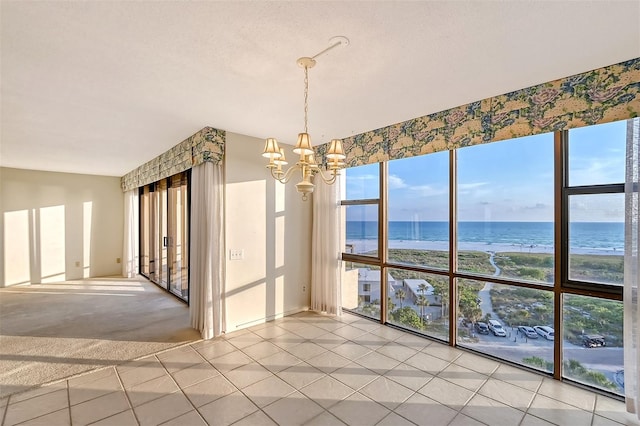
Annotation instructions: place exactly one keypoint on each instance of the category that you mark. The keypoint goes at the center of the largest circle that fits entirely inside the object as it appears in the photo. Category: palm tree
(422, 288)
(422, 302)
(400, 295)
(442, 291)
(390, 305)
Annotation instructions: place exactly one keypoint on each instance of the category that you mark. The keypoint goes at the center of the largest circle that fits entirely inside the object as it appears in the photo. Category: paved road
(607, 360)
(515, 347)
(485, 294)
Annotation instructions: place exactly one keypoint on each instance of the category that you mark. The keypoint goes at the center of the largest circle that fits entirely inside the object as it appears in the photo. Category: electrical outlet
(304, 288)
(237, 254)
(118, 260)
(77, 264)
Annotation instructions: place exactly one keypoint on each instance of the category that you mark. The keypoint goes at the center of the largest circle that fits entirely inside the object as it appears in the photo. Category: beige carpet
(52, 331)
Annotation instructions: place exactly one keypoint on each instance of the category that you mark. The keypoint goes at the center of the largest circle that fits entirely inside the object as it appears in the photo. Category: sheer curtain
(326, 265)
(130, 240)
(207, 268)
(631, 269)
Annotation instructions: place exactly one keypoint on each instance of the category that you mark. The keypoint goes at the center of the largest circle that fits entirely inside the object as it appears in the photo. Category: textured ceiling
(102, 87)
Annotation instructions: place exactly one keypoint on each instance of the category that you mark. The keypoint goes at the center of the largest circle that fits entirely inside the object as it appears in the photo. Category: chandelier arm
(286, 176)
(328, 180)
(275, 176)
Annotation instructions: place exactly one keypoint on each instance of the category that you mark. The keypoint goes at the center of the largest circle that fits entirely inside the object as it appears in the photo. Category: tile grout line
(135, 416)
(535, 393)
(40, 416)
(489, 376)
(69, 403)
(353, 391)
(182, 391)
(87, 373)
(449, 363)
(102, 368)
(6, 409)
(240, 390)
(276, 375)
(295, 388)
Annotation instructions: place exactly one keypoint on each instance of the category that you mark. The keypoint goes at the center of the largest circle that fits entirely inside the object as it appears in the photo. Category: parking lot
(515, 347)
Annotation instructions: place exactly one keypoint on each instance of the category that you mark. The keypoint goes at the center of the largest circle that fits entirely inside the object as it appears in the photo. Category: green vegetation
(574, 370)
(432, 258)
(470, 261)
(469, 305)
(370, 309)
(408, 317)
(522, 306)
(514, 305)
(539, 363)
(539, 267)
(588, 315)
(526, 266)
(476, 262)
(401, 295)
(582, 315)
(577, 371)
(604, 269)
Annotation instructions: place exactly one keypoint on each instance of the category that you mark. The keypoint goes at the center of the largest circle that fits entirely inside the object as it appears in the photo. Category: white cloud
(429, 191)
(475, 189)
(396, 182)
(596, 170)
(467, 186)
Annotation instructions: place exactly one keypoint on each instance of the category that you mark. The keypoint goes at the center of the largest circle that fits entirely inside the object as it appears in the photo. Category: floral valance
(206, 145)
(607, 94)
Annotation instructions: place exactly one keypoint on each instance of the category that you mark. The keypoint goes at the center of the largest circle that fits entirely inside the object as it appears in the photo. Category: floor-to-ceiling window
(361, 291)
(164, 233)
(593, 255)
(513, 249)
(505, 234)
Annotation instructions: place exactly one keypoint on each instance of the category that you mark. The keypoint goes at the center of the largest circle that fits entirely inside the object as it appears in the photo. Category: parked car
(481, 328)
(527, 331)
(496, 328)
(545, 331)
(593, 341)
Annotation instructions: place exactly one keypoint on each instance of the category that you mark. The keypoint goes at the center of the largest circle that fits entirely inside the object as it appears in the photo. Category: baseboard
(266, 319)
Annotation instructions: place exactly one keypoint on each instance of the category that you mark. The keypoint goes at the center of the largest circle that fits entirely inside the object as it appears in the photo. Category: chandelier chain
(306, 96)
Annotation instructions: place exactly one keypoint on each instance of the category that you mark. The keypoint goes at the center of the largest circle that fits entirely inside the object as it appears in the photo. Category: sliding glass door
(178, 236)
(164, 233)
(146, 242)
(160, 234)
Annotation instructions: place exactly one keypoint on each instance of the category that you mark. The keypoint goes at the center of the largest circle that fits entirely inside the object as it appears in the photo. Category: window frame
(561, 284)
(568, 285)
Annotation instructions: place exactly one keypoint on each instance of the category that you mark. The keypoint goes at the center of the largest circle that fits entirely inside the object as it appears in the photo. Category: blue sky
(502, 181)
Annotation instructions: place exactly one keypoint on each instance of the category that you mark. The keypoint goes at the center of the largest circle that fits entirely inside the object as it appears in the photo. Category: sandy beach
(362, 246)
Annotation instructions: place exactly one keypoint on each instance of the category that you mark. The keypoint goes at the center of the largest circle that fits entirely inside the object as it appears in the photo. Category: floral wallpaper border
(603, 95)
(206, 145)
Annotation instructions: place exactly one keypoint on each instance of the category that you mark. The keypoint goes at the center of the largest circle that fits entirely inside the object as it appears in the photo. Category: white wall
(58, 226)
(271, 224)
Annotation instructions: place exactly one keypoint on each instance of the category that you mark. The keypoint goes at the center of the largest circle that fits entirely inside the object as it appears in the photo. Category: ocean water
(582, 235)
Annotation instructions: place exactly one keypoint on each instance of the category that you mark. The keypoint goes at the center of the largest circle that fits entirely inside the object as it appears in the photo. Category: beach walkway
(485, 294)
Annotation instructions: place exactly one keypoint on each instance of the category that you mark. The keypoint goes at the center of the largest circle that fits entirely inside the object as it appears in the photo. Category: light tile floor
(310, 369)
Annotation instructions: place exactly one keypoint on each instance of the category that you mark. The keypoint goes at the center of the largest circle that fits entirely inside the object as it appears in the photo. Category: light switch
(237, 254)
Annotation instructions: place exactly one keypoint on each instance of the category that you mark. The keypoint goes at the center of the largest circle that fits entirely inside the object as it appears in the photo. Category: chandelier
(306, 163)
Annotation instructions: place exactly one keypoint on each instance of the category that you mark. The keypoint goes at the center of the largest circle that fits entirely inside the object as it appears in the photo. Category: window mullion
(382, 240)
(560, 243)
(453, 248)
